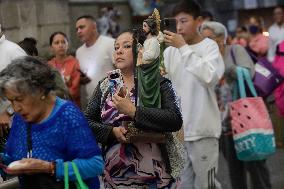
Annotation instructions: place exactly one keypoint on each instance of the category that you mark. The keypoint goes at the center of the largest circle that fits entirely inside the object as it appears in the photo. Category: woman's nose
(119, 50)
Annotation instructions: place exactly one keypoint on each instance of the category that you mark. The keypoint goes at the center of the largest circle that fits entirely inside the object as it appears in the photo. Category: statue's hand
(139, 57)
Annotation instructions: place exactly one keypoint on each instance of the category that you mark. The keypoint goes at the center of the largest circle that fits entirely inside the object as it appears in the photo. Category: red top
(69, 71)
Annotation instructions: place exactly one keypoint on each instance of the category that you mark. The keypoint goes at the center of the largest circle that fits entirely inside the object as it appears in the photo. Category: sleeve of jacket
(165, 119)
(93, 115)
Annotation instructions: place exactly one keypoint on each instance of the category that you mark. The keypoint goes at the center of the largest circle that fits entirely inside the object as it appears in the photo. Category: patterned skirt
(136, 166)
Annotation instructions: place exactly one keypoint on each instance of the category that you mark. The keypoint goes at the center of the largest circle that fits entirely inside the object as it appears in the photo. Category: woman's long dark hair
(138, 38)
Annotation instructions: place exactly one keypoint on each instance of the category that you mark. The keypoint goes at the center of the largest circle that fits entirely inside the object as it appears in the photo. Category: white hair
(217, 28)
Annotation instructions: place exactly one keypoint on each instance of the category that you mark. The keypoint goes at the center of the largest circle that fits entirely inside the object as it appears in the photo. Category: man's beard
(146, 33)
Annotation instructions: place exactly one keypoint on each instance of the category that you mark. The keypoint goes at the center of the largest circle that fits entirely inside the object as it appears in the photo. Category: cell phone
(169, 24)
(115, 81)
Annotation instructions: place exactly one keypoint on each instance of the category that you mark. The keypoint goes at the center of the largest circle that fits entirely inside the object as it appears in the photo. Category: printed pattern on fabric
(133, 165)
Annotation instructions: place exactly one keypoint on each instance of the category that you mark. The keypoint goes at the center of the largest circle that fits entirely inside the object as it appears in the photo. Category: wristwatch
(10, 111)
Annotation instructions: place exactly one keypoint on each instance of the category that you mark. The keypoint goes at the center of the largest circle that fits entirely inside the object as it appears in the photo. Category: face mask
(253, 29)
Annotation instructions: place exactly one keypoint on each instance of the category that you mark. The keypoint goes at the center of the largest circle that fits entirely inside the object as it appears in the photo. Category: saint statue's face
(146, 28)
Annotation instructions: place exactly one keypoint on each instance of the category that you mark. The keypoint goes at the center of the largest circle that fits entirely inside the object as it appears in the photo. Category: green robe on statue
(149, 85)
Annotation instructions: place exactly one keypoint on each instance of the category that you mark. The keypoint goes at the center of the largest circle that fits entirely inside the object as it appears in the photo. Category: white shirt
(96, 61)
(8, 52)
(276, 35)
(195, 70)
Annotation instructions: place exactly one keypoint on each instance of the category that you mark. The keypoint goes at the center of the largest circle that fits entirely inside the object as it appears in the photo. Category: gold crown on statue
(156, 16)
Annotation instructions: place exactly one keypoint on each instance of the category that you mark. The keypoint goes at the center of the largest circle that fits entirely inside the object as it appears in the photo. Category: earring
(42, 97)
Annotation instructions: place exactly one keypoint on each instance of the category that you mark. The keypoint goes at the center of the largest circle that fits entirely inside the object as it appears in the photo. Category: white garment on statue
(276, 35)
(96, 61)
(194, 71)
(8, 52)
(151, 49)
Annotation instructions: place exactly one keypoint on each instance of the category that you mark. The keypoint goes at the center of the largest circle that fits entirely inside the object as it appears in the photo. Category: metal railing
(10, 184)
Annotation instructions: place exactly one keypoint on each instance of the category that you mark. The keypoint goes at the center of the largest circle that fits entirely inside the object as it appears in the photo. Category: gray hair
(217, 28)
(27, 75)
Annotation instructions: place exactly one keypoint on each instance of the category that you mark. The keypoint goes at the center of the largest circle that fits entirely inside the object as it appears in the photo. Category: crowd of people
(62, 111)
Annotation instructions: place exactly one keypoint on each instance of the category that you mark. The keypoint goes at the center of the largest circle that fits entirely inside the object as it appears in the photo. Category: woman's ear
(42, 94)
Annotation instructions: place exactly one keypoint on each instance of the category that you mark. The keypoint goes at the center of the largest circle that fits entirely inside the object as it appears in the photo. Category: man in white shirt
(276, 32)
(194, 65)
(95, 55)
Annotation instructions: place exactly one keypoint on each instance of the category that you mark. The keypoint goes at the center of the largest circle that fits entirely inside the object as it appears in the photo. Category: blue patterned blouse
(63, 136)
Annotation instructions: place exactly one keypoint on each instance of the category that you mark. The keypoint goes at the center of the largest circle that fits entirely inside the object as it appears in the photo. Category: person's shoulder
(68, 108)
(208, 41)
(9, 45)
(273, 26)
(51, 61)
(106, 39)
(170, 49)
(81, 49)
(71, 58)
(238, 47)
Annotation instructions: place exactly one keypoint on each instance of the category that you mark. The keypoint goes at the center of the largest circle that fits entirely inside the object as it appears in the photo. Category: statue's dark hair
(152, 26)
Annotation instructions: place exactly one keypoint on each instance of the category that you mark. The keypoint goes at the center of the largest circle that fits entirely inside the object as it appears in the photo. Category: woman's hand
(124, 105)
(119, 133)
(173, 39)
(30, 166)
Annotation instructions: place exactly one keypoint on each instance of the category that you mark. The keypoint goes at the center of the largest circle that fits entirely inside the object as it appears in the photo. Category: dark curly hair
(28, 75)
(29, 45)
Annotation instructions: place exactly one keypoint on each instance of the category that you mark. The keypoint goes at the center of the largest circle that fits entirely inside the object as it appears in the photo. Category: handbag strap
(249, 82)
(240, 84)
(79, 181)
(66, 177)
(243, 76)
